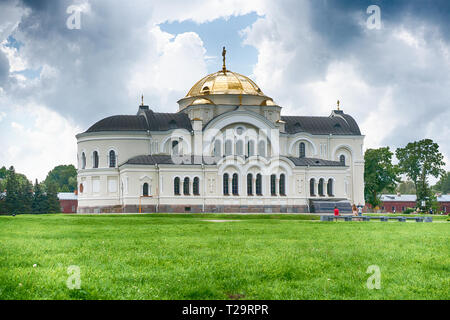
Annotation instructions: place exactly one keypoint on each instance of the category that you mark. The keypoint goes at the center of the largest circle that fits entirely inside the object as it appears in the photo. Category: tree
(64, 176)
(3, 172)
(406, 187)
(419, 160)
(40, 201)
(25, 197)
(12, 201)
(443, 185)
(379, 174)
(52, 198)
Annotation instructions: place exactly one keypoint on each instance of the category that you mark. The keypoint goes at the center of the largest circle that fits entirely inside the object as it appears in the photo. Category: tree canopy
(379, 174)
(443, 185)
(419, 160)
(64, 177)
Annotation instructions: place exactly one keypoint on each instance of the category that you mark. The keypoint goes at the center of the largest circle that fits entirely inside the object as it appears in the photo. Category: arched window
(249, 184)
(235, 185)
(175, 147)
(228, 148)
(302, 150)
(217, 148)
(225, 184)
(251, 148)
(342, 159)
(330, 187)
(262, 148)
(258, 185)
(112, 159)
(186, 186)
(176, 186)
(282, 184)
(240, 148)
(273, 187)
(83, 161)
(196, 186)
(145, 190)
(312, 186)
(320, 187)
(95, 160)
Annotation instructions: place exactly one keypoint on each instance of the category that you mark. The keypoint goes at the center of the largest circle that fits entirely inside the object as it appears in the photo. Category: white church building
(227, 149)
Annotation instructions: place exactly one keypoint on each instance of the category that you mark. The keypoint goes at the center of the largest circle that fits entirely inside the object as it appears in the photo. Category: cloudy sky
(55, 81)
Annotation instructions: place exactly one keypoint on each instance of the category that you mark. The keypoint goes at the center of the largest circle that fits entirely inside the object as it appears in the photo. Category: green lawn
(259, 257)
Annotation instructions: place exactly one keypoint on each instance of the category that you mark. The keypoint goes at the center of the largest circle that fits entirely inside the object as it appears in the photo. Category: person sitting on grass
(336, 212)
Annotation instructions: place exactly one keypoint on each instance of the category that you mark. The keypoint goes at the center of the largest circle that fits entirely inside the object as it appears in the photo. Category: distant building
(399, 203)
(68, 202)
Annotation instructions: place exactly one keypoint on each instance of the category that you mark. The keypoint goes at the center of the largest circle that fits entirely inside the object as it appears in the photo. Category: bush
(409, 210)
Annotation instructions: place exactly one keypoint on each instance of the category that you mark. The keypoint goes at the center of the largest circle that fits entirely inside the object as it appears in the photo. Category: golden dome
(224, 82)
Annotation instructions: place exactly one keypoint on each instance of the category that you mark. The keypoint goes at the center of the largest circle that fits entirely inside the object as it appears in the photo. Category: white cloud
(40, 140)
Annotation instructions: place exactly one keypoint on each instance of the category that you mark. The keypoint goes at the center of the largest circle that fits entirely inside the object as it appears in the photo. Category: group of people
(356, 210)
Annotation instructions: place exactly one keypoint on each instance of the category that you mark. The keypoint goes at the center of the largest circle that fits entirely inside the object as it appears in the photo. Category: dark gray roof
(120, 123)
(147, 120)
(338, 123)
(314, 162)
(166, 121)
(167, 159)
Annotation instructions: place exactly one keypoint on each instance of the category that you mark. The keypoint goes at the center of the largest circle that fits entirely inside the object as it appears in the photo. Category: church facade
(227, 149)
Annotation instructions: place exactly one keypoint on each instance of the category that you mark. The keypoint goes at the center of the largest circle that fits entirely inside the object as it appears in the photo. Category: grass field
(184, 257)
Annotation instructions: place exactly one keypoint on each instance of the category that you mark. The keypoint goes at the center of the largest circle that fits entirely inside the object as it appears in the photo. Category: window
(251, 148)
(175, 147)
(258, 185)
(145, 190)
(225, 184)
(81, 188)
(95, 160)
(330, 187)
(282, 185)
(302, 150)
(312, 183)
(83, 161)
(217, 148)
(321, 188)
(240, 148)
(273, 187)
(176, 186)
(262, 148)
(196, 186)
(186, 186)
(342, 159)
(250, 184)
(112, 159)
(228, 148)
(235, 185)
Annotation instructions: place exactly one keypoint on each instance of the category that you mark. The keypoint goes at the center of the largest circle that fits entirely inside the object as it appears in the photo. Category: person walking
(336, 212)
(360, 207)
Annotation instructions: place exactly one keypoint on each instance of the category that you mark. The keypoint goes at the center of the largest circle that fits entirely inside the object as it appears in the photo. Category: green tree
(3, 172)
(64, 176)
(52, 198)
(25, 197)
(40, 202)
(443, 185)
(419, 160)
(12, 201)
(379, 174)
(406, 187)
